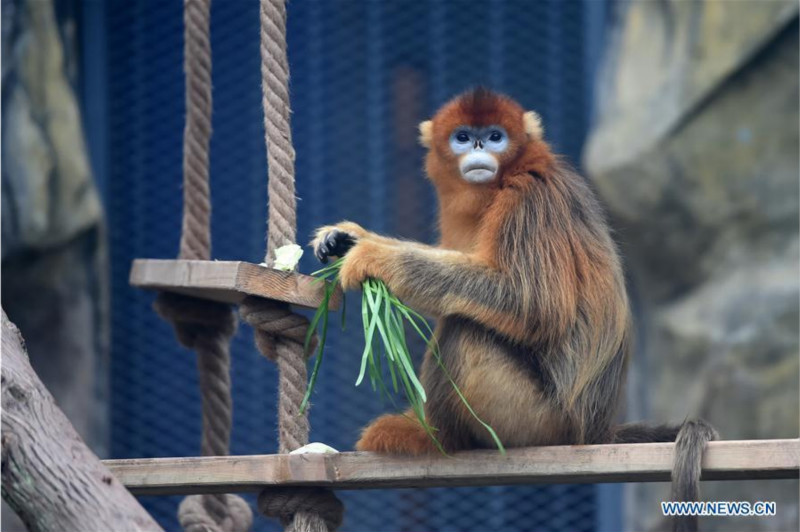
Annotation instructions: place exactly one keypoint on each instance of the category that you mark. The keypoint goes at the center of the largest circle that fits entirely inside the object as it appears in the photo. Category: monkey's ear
(426, 133)
(533, 125)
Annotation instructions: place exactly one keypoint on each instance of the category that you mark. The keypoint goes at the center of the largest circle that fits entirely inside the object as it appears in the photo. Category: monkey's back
(558, 380)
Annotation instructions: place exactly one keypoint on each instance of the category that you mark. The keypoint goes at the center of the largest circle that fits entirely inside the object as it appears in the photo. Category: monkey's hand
(336, 240)
(366, 254)
(369, 257)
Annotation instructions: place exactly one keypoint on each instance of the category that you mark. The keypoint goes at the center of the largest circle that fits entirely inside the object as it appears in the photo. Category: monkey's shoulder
(527, 175)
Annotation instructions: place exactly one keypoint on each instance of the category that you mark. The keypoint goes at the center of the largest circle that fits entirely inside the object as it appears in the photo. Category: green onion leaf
(383, 312)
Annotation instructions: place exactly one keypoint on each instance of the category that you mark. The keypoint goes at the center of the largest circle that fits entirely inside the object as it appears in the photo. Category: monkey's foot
(396, 434)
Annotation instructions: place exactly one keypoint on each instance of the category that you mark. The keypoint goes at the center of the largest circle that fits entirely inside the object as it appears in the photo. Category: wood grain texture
(647, 462)
(50, 477)
(229, 281)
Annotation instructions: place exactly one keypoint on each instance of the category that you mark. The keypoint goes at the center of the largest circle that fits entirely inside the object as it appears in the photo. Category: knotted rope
(203, 326)
(279, 332)
(206, 327)
(305, 506)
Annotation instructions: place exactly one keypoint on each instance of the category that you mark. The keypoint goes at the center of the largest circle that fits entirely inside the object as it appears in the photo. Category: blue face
(476, 148)
(493, 139)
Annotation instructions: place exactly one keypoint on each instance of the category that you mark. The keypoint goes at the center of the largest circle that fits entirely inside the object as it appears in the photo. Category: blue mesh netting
(363, 75)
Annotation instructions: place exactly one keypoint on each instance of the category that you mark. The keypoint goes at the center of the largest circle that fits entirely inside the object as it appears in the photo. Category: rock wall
(54, 267)
(695, 154)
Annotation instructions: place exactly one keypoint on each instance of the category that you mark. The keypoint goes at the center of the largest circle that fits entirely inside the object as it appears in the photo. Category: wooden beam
(229, 281)
(647, 462)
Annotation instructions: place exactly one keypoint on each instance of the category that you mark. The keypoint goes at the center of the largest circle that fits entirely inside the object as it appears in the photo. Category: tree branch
(50, 477)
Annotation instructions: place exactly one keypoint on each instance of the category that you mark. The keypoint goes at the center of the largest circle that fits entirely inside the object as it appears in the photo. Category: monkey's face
(477, 150)
(475, 137)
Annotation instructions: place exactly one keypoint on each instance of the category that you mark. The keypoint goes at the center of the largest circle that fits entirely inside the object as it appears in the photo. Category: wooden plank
(228, 281)
(646, 462)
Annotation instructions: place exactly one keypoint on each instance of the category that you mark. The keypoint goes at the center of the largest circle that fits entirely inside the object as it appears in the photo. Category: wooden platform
(647, 462)
(229, 281)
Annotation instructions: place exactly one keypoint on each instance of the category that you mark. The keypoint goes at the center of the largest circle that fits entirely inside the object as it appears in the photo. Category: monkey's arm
(439, 282)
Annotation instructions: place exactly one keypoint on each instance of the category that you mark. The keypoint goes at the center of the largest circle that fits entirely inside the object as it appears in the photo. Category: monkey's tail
(642, 433)
(690, 439)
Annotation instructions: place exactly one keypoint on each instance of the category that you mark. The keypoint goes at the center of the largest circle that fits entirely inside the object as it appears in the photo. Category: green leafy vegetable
(384, 318)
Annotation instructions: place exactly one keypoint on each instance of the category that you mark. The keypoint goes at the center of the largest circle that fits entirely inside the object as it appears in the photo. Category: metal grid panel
(363, 74)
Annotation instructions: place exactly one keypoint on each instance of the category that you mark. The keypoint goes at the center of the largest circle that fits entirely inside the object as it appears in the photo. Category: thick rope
(203, 326)
(302, 507)
(206, 327)
(196, 228)
(280, 335)
(194, 516)
(280, 332)
(282, 220)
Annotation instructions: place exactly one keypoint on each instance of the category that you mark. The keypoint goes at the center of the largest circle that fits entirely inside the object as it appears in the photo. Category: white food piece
(287, 257)
(315, 448)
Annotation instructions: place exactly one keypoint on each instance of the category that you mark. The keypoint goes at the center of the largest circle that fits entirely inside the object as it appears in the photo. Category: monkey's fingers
(333, 244)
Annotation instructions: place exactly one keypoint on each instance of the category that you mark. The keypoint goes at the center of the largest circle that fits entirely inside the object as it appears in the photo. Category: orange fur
(464, 207)
(526, 286)
(396, 434)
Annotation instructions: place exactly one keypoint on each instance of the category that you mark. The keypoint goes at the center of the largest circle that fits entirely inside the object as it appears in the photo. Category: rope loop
(275, 320)
(206, 327)
(215, 513)
(280, 334)
(195, 319)
(290, 504)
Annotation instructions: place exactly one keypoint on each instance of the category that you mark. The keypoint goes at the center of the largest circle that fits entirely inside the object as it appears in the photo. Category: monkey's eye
(496, 136)
(462, 136)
